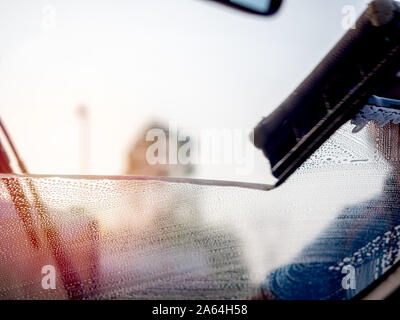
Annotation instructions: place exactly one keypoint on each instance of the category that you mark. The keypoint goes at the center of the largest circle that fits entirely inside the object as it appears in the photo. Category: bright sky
(190, 61)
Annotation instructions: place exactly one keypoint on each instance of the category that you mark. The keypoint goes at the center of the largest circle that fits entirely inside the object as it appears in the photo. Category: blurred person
(138, 164)
(148, 209)
(172, 251)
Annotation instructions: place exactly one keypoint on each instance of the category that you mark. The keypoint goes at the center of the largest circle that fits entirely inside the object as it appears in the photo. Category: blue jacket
(365, 237)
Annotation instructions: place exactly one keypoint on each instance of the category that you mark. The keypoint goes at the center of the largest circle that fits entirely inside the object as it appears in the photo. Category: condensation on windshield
(125, 237)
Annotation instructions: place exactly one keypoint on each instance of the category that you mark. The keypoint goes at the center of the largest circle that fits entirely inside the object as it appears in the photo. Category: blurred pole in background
(84, 139)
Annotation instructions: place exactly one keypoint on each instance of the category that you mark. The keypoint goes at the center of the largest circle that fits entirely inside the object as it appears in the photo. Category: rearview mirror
(264, 7)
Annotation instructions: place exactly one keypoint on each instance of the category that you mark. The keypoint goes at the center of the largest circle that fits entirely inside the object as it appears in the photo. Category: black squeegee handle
(363, 62)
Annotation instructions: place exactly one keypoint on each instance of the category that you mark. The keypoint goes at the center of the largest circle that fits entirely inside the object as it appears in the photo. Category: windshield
(80, 82)
(146, 238)
(88, 89)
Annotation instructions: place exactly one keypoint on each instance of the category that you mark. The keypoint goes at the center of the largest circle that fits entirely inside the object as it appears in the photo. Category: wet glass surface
(126, 237)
